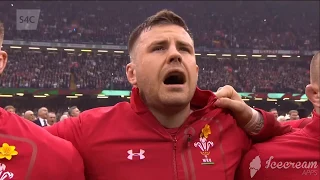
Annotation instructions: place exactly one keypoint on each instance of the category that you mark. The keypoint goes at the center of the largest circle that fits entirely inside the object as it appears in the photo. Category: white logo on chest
(140, 154)
(205, 146)
(5, 174)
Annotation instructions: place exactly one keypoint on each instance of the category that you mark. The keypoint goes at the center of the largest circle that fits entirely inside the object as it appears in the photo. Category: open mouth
(174, 78)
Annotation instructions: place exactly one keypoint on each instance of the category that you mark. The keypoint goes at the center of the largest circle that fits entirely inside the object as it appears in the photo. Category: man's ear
(197, 69)
(131, 73)
(313, 95)
(3, 60)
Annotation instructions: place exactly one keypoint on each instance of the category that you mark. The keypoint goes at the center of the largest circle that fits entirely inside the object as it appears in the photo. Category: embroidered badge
(5, 174)
(205, 145)
(7, 151)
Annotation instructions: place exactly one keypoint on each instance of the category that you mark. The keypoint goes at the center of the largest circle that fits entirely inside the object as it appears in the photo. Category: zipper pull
(189, 140)
(174, 143)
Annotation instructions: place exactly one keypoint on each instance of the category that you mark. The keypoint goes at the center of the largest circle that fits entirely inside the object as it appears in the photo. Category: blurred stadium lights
(272, 99)
(20, 94)
(301, 100)
(102, 51)
(6, 95)
(52, 49)
(34, 48)
(121, 52)
(256, 55)
(39, 96)
(286, 56)
(68, 49)
(86, 50)
(102, 96)
(15, 47)
(78, 94)
(71, 97)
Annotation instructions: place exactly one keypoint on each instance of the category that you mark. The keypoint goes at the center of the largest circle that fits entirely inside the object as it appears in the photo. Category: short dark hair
(302, 112)
(293, 111)
(162, 17)
(273, 109)
(71, 109)
(1, 33)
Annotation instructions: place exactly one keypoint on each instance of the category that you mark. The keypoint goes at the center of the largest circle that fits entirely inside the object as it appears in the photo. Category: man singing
(170, 129)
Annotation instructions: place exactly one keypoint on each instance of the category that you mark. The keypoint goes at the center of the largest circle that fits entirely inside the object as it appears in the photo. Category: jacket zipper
(221, 148)
(189, 154)
(175, 158)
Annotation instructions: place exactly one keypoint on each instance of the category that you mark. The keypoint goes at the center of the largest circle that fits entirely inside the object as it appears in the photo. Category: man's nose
(174, 56)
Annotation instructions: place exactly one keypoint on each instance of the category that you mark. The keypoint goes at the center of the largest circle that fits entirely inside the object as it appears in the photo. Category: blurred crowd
(43, 117)
(246, 25)
(32, 69)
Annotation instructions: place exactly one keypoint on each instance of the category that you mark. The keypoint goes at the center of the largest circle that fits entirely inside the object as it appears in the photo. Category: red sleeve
(250, 167)
(301, 123)
(76, 170)
(69, 129)
(271, 127)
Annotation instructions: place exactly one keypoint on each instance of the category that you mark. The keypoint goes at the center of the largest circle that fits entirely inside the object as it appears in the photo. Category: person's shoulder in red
(293, 156)
(301, 123)
(107, 136)
(28, 152)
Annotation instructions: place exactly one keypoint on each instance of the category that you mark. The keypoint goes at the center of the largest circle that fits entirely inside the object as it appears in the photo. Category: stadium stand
(246, 25)
(34, 69)
(216, 25)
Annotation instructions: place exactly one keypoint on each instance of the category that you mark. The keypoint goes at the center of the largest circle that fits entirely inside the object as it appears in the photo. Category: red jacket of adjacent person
(293, 156)
(126, 142)
(28, 152)
(301, 123)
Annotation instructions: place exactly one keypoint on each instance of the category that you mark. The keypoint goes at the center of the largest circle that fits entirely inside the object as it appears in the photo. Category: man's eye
(159, 48)
(184, 49)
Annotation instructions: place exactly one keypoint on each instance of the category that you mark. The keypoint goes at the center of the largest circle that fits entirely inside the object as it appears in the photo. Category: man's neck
(172, 120)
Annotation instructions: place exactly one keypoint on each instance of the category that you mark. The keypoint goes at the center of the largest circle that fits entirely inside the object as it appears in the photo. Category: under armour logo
(140, 154)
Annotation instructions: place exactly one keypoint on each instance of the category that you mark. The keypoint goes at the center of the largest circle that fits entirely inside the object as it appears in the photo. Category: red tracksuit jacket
(294, 156)
(301, 123)
(28, 152)
(126, 142)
